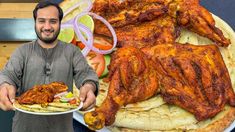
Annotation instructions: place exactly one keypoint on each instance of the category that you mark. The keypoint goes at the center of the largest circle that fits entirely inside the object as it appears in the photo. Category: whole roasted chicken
(149, 61)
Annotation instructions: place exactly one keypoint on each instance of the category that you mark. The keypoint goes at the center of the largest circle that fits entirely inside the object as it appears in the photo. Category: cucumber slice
(107, 59)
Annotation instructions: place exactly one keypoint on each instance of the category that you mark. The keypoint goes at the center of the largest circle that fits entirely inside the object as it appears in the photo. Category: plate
(48, 113)
(230, 128)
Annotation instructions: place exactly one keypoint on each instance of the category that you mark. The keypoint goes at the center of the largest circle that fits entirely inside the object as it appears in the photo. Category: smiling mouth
(47, 32)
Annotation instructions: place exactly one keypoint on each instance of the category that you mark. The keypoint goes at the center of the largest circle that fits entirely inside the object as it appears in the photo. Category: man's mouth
(47, 33)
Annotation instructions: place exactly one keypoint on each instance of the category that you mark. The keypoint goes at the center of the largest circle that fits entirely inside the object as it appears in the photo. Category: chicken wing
(192, 15)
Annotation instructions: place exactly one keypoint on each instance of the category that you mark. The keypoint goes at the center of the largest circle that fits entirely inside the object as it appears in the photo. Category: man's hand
(7, 96)
(87, 96)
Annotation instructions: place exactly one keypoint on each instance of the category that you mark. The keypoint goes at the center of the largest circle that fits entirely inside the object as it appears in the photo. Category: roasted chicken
(133, 77)
(42, 94)
(192, 77)
(149, 61)
(135, 15)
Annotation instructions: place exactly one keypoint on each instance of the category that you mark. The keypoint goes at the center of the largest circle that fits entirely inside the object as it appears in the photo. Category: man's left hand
(87, 96)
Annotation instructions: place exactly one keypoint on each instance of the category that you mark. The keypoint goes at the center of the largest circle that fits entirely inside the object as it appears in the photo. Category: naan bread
(155, 115)
(54, 106)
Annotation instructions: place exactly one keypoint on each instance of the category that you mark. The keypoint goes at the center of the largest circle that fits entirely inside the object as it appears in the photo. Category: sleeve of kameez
(12, 71)
(83, 72)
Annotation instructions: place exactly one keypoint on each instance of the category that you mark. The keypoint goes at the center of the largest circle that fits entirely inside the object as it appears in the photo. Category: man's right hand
(7, 96)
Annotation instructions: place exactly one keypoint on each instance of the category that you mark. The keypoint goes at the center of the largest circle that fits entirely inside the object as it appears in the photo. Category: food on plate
(97, 62)
(51, 97)
(150, 22)
(155, 114)
(192, 77)
(66, 35)
(107, 59)
(149, 61)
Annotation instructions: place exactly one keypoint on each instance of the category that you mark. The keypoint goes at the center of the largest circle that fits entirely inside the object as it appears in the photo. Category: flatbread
(51, 107)
(155, 115)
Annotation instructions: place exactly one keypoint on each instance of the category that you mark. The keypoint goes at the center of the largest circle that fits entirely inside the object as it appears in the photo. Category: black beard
(47, 41)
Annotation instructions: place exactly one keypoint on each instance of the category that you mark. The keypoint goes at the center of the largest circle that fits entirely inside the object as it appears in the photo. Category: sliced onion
(111, 30)
(63, 99)
(84, 33)
(85, 30)
(60, 94)
(85, 51)
(79, 26)
(66, 25)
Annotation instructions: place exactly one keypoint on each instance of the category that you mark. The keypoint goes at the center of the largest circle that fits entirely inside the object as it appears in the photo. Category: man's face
(47, 25)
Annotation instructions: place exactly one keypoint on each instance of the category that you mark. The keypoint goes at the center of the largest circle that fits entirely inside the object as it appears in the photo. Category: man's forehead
(43, 18)
(49, 12)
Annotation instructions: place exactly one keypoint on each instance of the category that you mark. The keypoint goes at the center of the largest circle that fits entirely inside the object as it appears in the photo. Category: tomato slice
(96, 61)
(74, 41)
(100, 43)
(80, 45)
(73, 101)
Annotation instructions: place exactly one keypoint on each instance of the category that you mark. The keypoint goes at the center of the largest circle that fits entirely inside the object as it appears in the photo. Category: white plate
(49, 113)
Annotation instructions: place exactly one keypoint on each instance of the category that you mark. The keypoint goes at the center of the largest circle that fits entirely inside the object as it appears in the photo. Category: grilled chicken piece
(194, 78)
(42, 94)
(133, 78)
(145, 34)
(130, 15)
(193, 16)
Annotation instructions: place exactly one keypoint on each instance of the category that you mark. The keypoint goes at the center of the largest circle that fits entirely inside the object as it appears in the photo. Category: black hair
(43, 4)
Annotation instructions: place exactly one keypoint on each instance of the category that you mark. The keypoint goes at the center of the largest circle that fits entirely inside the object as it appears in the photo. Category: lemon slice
(66, 35)
(88, 22)
(69, 95)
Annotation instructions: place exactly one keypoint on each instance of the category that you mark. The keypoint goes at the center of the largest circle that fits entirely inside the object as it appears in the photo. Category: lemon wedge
(66, 35)
(69, 95)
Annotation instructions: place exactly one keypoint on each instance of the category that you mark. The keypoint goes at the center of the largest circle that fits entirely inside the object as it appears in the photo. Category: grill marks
(193, 77)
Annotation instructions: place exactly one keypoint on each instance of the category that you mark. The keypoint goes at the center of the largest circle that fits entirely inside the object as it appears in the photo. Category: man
(41, 62)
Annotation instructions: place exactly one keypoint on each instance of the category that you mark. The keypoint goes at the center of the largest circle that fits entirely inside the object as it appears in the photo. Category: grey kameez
(30, 65)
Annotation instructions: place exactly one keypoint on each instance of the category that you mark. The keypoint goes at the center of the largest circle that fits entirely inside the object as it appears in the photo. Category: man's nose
(47, 25)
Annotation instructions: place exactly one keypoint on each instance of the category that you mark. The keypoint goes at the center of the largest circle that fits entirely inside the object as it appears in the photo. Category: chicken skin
(149, 61)
(42, 94)
(133, 78)
(131, 14)
(194, 78)
(199, 20)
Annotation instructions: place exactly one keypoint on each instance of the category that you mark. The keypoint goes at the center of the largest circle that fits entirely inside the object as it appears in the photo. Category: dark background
(225, 9)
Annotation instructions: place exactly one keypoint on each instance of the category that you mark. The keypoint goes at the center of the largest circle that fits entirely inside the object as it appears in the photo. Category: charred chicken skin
(194, 78)
(133, 78)
(42, 94)
(133, 15)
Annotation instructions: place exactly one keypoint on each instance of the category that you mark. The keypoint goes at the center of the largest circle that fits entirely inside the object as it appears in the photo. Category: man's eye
(41, 21)
(53, 22)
